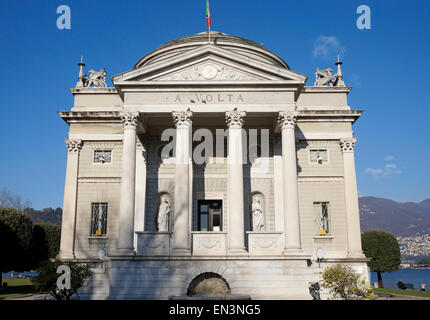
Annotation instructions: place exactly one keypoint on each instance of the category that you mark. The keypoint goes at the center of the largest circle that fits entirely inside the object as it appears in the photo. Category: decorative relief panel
(209, 71)
(153, 244)
(265, 243)
(209, 243)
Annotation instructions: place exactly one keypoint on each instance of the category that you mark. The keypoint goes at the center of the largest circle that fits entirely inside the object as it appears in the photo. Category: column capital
(288, 119)
(182, 119)
(235, 119)
(73, 145)
(348, 144)
(129, 120)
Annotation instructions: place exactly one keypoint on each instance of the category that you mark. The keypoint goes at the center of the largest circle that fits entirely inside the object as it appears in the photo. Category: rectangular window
(99, 213)
(319, 156)
(102, 156)
(322, 218)
(210, 215)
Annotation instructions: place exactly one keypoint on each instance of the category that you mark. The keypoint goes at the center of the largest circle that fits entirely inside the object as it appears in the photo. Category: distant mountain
(47, 215)
(400, 219)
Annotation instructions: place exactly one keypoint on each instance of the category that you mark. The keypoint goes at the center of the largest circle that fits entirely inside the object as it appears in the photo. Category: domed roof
(236, 44)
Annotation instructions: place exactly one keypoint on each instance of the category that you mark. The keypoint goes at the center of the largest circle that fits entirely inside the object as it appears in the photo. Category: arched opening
(208, 284)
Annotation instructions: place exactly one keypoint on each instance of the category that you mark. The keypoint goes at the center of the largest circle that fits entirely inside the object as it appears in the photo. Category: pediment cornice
(209, 64)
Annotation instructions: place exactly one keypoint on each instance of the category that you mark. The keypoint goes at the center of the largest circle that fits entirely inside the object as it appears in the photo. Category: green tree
(52, 238)
(16, 234)
(383, 250)
(46, 281)
(344, 284)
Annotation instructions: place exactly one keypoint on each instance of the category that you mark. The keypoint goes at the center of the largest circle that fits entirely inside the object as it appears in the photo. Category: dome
(245, 47)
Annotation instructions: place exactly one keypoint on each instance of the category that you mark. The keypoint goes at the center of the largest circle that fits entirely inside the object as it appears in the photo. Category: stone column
(292, 243)
(126, 208)
(235, 161)
(278, 180)
(181, 218)
(140, 189)
(67, 247)
(351, 198)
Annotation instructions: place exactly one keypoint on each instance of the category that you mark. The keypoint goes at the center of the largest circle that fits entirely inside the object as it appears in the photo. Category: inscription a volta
(209, 98)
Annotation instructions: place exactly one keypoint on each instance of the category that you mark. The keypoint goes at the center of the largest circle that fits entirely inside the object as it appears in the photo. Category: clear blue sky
(388, 66)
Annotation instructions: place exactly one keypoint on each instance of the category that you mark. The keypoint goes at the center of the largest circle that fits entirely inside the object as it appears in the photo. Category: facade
(248, 218)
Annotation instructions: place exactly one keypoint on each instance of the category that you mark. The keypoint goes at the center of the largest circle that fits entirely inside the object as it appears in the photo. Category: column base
(66, 256)
(356, 255)
(295, 252)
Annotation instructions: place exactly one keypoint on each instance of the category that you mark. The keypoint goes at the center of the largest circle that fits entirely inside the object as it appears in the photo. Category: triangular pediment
(208, 63)
(211, 69)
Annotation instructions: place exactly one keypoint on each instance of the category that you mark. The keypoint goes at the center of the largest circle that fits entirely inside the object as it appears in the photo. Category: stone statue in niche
(257, 215)
(164, 215)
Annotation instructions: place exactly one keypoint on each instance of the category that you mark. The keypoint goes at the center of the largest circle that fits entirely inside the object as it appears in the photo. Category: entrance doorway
(210, 215)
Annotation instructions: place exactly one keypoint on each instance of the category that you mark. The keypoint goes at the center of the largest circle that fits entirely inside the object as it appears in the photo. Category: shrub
(46, 281)
(344, 284)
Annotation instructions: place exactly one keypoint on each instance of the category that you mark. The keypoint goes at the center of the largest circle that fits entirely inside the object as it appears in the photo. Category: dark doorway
(209, 215)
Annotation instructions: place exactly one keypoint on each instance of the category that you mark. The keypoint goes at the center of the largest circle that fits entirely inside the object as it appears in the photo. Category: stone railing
(153, 243)
(265, 243)
(209, 243)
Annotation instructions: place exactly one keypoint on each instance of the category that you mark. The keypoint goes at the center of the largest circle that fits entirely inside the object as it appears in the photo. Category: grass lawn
(425, 294)
(17, 287)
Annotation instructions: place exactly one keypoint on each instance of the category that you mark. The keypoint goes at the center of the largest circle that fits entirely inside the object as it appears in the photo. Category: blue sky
(388, 66)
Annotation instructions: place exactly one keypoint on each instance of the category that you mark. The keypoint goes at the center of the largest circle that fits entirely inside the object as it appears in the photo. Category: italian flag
(208, 15)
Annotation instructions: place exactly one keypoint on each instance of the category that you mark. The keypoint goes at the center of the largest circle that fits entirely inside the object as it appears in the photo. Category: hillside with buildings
(409, 222)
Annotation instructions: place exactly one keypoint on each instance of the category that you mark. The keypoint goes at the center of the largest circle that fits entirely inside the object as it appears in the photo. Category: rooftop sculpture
(325, 77)
(96, 79)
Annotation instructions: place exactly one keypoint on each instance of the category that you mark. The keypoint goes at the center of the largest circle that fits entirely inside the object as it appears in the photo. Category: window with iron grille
(318, 156)
(322, 217)
(99, 213)
(102, 156)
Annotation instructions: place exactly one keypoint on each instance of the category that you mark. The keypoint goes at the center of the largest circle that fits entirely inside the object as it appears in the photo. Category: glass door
(210, 215)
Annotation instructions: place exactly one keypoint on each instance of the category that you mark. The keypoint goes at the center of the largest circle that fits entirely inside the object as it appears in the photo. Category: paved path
(32, 297)
(390, 296)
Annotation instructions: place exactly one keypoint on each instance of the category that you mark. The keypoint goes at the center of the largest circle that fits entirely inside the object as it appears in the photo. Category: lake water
(414, 276)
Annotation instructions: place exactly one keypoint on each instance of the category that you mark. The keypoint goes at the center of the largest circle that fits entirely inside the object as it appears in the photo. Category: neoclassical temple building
(210, 168)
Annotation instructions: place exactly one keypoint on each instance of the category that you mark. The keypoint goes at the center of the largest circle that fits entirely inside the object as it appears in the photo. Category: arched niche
(255, 199)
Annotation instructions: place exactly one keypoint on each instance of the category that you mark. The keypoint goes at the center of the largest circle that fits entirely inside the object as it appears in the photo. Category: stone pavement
(390, 296)
(32, 297)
